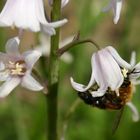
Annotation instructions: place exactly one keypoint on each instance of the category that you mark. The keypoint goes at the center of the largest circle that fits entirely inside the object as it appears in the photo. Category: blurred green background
(23, 113)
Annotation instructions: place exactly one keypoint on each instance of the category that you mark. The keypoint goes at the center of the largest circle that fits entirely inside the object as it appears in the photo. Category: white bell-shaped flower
(106, 72)
(16, 68)
(27, 14)
(103, 67)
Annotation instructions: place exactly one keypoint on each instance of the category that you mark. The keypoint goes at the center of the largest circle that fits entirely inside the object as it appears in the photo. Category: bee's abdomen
(110, 100)
(106, 101)
(125, 92)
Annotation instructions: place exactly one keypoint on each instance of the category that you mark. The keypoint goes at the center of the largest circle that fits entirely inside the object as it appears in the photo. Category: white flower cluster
(16, 68)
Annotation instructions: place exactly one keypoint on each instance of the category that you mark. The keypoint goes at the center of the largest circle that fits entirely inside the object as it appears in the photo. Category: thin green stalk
(75, 43)
(53, 76)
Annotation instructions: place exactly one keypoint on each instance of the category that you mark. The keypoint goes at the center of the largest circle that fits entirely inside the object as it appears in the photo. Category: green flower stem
(75, 43)
(53, 75)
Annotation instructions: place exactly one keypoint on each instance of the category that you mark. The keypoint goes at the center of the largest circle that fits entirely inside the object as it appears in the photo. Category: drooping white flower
(44, 47)
(27, 14)
(123, 81)
(116, 6)
(63, 2)
(15, 68)
(106, 72)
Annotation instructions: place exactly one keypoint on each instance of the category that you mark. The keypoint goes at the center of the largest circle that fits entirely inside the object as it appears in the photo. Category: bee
(110, 100)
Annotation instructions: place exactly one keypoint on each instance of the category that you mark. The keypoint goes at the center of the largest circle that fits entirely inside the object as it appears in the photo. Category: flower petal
(77, 86)
(107, 72)
(25, 18)
(7, 14)
(30, 83)
(117, 10)
(133, 59)
(135, 114)
(118, 59)
(58, 23)
(98, 72)
(116, 6)
(137, 67)
(134, 76)
(30, 57)
(8, 86)
(49, 27)
(136, 72)
(100, 92)
(83, 88)
(12, 46)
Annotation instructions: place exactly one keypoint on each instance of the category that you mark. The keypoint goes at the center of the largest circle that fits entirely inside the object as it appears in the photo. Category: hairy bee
(110, 100)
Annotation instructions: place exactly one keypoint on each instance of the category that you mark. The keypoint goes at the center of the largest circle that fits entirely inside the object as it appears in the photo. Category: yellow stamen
(17, 68)
(124, 72)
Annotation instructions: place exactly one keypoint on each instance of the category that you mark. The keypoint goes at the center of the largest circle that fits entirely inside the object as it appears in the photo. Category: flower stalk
(53, 75)
(74, 43)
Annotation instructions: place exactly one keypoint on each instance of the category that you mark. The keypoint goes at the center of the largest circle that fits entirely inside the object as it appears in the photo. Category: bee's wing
(117, 120)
